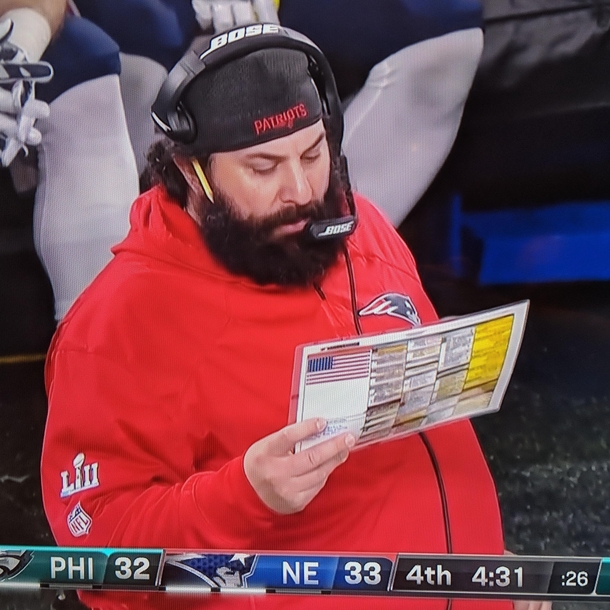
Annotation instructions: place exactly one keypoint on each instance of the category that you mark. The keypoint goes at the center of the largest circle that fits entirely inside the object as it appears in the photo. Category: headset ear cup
(184, 128)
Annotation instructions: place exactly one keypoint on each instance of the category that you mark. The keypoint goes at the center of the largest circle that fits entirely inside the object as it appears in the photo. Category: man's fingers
(332, 450)
(304, 488)
(283, 441)
(285, 482)
(315, 479)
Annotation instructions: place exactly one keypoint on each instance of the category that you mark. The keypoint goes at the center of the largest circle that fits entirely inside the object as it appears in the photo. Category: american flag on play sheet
(341, 367)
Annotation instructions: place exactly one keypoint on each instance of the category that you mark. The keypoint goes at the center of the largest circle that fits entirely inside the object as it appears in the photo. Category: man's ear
(186, 169)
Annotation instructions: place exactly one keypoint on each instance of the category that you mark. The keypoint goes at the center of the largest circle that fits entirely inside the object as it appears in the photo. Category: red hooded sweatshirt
(168, 368)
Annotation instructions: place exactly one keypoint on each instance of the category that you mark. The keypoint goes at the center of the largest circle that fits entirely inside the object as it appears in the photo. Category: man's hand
(219, 15)
(287, 482)
(19, 109)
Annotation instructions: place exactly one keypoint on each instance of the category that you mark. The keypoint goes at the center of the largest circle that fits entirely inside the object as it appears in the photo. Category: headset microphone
(329, 229)
(343, 226)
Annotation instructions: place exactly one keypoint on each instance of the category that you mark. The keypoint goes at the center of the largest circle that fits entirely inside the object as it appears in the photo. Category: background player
(404, 118)
(85, 173)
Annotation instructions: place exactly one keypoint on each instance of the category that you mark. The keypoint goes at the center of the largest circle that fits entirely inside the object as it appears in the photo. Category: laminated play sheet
(386, 386)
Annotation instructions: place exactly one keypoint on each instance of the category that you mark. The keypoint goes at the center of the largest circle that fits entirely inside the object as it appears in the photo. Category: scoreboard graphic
(467, 576)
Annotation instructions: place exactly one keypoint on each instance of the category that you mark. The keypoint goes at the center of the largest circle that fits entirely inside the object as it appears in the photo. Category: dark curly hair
(161, 169)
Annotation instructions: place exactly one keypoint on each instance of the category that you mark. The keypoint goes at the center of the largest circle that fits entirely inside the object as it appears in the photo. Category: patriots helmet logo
(13, 562)
(392, 304)
(216, 570)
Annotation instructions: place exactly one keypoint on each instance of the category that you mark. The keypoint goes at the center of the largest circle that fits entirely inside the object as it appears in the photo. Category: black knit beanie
(265, 95)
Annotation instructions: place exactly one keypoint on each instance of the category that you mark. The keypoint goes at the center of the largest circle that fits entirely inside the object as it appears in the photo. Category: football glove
(19, 108)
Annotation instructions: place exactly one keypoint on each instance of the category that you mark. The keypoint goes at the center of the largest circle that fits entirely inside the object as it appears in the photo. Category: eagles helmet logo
(13, 562)
(222, 571)
(392, 304)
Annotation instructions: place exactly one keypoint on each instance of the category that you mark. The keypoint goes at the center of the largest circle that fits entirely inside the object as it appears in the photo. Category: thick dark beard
(247, 248)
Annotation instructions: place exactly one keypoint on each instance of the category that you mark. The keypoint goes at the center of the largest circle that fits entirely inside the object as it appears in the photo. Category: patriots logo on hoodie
(392, 304)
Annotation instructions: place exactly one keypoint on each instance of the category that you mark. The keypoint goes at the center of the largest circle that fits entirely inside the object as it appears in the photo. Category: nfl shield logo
(79, 522)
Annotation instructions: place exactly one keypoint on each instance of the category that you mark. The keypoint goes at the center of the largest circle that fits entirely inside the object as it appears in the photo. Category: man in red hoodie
(169, 380)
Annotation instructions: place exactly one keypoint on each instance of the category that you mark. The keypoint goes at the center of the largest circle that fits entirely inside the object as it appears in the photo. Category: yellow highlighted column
(489, 351)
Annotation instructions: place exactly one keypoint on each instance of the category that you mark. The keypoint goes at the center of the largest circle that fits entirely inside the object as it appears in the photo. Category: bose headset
(170, 114)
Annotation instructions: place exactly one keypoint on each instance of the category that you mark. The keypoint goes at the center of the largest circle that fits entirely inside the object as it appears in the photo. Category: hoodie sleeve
(112, 475)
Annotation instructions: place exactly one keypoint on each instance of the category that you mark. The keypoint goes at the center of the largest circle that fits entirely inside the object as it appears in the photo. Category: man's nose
(296, 187)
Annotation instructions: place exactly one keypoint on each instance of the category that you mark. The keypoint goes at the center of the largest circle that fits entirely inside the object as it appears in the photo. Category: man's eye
(311, 157)
(263, 170)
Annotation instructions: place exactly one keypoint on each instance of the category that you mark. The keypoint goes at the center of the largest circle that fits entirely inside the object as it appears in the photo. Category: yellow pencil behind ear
(205, 185)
